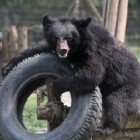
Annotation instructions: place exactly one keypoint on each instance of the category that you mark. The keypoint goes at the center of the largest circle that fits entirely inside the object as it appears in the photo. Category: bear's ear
(82, 22)
(46, 20)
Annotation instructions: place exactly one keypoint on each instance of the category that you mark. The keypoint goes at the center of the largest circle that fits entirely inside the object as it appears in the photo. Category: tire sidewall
(18, 78)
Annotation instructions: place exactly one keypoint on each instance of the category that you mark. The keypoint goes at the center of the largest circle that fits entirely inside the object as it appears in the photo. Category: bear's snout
(62, 49)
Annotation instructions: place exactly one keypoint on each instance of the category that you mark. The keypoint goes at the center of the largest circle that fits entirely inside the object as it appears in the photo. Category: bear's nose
(63, 52)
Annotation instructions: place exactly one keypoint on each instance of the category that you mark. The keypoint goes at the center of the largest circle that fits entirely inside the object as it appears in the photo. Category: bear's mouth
(62, 48)
(63, 53)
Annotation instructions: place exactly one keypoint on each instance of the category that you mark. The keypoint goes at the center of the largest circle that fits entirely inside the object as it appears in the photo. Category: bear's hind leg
(115, 115)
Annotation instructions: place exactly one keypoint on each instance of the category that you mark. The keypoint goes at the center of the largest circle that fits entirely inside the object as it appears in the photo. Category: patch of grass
(138, 56)
(136, 51)
(29, 116)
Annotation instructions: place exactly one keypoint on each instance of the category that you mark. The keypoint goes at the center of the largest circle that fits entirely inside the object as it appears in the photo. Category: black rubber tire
(84, 115)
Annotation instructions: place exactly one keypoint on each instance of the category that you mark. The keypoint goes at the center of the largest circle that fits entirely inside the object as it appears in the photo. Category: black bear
(99, 59)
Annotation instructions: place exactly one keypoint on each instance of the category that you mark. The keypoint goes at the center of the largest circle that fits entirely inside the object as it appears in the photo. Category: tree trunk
(121, 21)
(112, 16)
(13, 41)
(22, 39)
(4, 54)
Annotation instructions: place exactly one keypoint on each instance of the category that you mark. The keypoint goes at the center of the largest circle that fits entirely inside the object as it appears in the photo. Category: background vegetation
(29, 13)
(39, 3)
(50, 3)
(30, 118)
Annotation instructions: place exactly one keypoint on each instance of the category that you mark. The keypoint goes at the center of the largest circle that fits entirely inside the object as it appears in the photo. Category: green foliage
(98, 3)
(134, 2)
(34, 3)
(29, 116)
(136, 52)
(41, 3)
(51, 3)
(138, 56)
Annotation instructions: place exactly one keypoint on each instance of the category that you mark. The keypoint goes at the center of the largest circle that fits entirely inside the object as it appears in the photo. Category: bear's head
(64, 34)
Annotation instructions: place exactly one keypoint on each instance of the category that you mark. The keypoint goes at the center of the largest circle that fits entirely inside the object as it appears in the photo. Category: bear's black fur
(99, 59)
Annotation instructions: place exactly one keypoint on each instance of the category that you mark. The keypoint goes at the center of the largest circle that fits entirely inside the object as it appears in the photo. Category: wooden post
(1, 36)
(94, 10)
(105, 13)
(0, 54)
(13, 41)
(4, 55)
(5, 43)
(70, 8)
(76, 8)
(22, 39)
(121, 21)
(112, 17)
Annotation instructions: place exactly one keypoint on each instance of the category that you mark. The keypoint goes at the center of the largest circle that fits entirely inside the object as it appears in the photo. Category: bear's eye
(56, 37)
(68, 37)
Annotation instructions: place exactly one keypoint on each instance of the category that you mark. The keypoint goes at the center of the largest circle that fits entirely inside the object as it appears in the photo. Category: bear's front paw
(57, 89)
(4, 71)
(105, 131)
